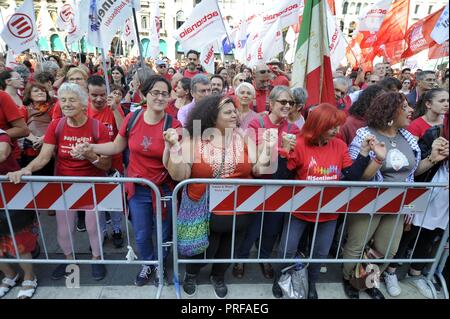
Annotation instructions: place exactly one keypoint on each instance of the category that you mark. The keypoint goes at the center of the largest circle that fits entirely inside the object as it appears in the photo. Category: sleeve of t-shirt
(123, 128)
(414, 128)
(104, 135)
(295, 158)
(9, 108)
(57, 113)
(346, 160)
(50, 134)
(4, 138)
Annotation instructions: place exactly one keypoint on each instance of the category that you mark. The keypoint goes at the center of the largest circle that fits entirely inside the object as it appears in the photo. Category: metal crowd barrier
(244, 195)
(73, 194)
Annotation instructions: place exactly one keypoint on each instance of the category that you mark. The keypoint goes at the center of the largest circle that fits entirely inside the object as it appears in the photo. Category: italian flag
(312, 65)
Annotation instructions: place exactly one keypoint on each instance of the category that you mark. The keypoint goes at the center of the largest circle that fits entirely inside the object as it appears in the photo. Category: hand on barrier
(288, 141)
(15, 177)
(171, 136)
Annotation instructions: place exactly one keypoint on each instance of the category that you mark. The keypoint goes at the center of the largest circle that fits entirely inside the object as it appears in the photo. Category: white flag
(338, 45)
(440, 31)
(80, 21)
(372, 18)
(20, 31)
(11, 61)
(264, 47)
(203, 26)
(207, 57)
(44, 20)
(105, 18)
(286, 12)
(65, 16)
(155, 26)
(6, 14)
(128, 33)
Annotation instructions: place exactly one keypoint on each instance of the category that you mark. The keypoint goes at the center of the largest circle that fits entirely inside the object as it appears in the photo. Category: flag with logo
(155, 27)
(79, 22)
(207, 57)
(440, 30)
(20, 31)
(203, 26)
(337, 41)
(418, 36)
(312, 65)
(44, 21)
(64, 15)
(370, 21)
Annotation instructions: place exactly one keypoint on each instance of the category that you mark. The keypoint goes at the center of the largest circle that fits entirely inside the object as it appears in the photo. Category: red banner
(438, 51)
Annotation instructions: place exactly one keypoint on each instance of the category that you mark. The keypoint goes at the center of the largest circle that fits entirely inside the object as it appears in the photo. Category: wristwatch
(96, 161)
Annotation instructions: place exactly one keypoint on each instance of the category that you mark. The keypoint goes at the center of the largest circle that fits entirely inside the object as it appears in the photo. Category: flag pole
(79, 51)
(226, 31)
(141, 57)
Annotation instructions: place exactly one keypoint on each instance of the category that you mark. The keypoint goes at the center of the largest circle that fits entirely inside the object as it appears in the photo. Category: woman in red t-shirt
(145, 141)
(430, 110)
(37, 112)
(25, 233)
(61, 136)
(318, 155)
(220, 151)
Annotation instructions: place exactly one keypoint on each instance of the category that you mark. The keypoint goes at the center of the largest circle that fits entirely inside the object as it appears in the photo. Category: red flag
(418, 36)
(438, 51)
(394, 25)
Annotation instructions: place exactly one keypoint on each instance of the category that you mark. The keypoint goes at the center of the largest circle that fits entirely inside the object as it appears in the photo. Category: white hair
(246, 85)
(74, 88)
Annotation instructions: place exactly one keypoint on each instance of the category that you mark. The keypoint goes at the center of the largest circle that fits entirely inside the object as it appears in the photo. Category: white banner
(44, 21)
(440, 31)
(372, 18)
(105, 18)
(207, 57)
(20, 31)
(80, 21)
(203, 26)
(128, 33)
(155, 26)
(338, 45)
(65, 14)
(286, 12)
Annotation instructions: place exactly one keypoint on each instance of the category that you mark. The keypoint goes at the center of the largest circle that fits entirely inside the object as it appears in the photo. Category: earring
(390, 123)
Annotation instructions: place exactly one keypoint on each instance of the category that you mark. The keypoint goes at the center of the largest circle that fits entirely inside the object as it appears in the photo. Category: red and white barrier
(335, 199)
(50, 196)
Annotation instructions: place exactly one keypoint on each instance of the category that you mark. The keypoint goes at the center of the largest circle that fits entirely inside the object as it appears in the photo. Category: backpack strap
(261, 121)
(289, 127)
(132, 121)
(59, 128)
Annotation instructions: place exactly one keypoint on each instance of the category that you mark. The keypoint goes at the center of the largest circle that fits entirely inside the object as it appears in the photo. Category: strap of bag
(261, 121)
(132, 121)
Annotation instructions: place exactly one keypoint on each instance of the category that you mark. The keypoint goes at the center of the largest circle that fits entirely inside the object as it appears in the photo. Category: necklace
(393, 141)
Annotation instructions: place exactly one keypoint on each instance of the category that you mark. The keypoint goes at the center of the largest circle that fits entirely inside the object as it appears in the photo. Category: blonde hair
(72, 71)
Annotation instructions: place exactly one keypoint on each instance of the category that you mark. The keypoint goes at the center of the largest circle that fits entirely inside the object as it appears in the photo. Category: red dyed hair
(323, 118)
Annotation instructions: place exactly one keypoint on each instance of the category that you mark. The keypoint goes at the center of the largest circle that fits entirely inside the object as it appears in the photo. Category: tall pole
(141, 57)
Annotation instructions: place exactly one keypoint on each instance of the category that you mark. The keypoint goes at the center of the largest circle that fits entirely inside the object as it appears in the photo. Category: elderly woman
(295, 115)
(25, 233)
(429, 111)
(60, 137)
(37, 112)
(142, 132)
(280, 101)
(387, 118)
(245, 93)
(222, 152)
(317, 155)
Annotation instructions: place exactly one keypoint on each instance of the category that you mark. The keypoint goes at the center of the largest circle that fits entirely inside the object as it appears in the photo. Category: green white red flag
(312, 65)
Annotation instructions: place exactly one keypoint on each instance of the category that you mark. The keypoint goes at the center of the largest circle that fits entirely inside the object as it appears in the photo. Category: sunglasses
(263, 71)
(284, 102)
(162, 66)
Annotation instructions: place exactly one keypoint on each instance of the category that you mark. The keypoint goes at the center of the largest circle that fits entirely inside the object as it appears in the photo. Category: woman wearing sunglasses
(280, 101)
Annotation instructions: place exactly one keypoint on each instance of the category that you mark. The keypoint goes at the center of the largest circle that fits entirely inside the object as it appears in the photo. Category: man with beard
(193, 58)
(217, 84)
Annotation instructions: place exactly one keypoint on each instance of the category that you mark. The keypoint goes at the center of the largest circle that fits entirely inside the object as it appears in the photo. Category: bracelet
(378, 161)
(96, 161)
(431, 161)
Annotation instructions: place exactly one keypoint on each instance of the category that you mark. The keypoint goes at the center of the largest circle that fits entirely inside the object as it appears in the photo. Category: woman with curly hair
(387, 117)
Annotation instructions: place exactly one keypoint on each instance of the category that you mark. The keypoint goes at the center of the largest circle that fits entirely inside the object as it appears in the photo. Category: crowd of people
(168, 121)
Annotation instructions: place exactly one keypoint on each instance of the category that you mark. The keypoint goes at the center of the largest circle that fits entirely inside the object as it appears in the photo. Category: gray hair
(74, 88)
(300, 95)
(421, 75)
(277, 90)
(144, 73)
(50, 66)
(199, 79)
(246, 85)
(342, 80)
(23, 71)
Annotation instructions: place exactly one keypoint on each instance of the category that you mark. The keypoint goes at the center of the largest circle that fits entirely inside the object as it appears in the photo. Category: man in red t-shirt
(105, 110)
(262, 86)
(193, 58)
(281, 77)
(11, 121)
(161, 69)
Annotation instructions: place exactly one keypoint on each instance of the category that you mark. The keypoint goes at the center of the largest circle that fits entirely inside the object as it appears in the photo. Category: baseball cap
(160, 62)
(273, 61)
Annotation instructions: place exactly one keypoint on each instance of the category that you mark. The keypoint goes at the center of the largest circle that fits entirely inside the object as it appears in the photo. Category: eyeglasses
(373, 81)
(284, 102)
(241, 80)
(157, 93)
(163, 66)
(263, 71)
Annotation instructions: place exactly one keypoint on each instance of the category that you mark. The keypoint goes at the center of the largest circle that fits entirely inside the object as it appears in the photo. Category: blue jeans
(143, 221)
(273, 223)
(324, 238)
(116, 221)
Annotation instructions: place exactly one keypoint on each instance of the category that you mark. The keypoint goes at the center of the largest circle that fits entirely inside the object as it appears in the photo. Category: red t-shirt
(10, 164)
(146, 144)
(9, 112)
(171, 109)
(284, 126)
(57, 113)
(66, 165)
(189, 74)
(418, 127)
(318, 163)
(262, 101)
(106, 116)
(280, 80)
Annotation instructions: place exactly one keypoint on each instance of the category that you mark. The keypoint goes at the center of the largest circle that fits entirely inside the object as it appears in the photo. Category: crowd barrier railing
(61, 193)
(290, 196)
